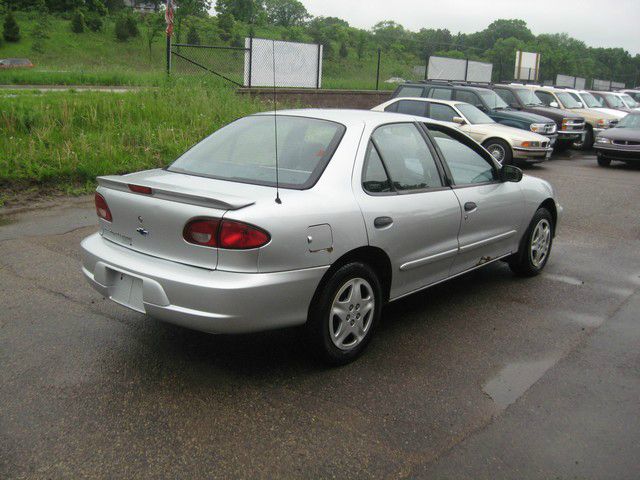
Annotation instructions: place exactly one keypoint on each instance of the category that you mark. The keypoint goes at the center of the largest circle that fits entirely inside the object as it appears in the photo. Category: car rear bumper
(212, 301)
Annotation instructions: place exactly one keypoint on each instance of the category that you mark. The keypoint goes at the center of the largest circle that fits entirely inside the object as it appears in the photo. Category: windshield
(569, 100)
(492, 100)
(244, 151)
(528, 97)
(590, 101)
(614, 100)
(630, 121)
(473, 115)
(631, 103)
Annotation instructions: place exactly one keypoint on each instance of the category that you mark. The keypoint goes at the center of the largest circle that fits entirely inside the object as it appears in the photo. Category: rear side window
(441, 112)
(244, 151)
(466, 164)
(409, 91)
(545, 97)
(412, 107)
(375, 178)
(441, 93)
(406, 157)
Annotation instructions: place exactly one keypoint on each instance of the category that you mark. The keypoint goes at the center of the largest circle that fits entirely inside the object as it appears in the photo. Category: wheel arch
(487, 141)
(374, 257)
(550, 205)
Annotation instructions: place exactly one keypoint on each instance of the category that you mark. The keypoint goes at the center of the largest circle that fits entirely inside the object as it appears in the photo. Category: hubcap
(351, 313)
(540, 243)
(497, 151)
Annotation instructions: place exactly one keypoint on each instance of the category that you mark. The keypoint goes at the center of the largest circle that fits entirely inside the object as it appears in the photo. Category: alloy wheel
(351, 313)
(540, 243)
(497, 151)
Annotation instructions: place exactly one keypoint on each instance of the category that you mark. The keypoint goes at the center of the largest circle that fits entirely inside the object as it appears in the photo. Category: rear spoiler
(192, 197)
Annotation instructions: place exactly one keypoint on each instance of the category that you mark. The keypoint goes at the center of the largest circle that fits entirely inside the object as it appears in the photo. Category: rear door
(409, 211)
(492, 211)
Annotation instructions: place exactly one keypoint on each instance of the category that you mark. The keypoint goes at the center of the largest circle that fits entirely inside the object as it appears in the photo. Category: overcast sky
(599, 23)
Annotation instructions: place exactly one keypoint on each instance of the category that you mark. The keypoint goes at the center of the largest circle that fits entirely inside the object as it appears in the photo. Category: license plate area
(125, 290)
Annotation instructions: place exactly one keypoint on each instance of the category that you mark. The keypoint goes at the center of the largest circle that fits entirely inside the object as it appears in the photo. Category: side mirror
(509, 173)
(580, 105)
(554, 105)
(459, 120)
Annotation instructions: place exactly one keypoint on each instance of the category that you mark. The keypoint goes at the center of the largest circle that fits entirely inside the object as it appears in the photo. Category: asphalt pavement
(487, 376)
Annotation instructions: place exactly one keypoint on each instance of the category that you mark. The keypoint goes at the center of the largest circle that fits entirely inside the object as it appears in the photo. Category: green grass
(63, 140)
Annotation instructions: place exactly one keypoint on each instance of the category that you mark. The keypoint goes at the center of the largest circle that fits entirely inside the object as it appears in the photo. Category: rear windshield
(244, 151)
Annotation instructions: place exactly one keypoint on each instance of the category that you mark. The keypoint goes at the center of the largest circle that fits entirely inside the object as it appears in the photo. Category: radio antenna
(275, 120)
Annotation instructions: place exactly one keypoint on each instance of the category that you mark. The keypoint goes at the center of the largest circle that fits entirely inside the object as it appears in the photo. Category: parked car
(621, 143)
(596, 119)
(628, 101)
(570, 126)
(506, 144)
(361, 208)
(15, 63)
(633, 93)
(485, 100)
(610, 100)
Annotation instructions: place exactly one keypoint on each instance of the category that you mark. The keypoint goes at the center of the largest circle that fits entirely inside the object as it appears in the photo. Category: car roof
(352, 117)
(430, 100)
(441, 84)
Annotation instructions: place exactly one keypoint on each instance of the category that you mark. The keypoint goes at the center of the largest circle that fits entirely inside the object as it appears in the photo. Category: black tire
(588, 139)
(523, 262)
(502, 146)
(603, 162)
(320, 323)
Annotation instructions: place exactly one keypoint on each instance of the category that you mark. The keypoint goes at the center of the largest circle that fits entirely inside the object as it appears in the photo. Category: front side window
(546, 97)
(599, 99)
(569, 100)
(615, 101)
(244, 151)
(412, 107)
(468, 97)
(408, 91)
(589, 100)
(631, 103)
(507, 96)
(406, 157)
(465, 161)
(441, 112)
(493, 101)
(529, 98)
(441, 93)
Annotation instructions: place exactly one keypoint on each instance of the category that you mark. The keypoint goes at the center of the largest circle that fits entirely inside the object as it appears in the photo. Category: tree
(344, 51)
(94, 22)
(286, 13)
(189, 8)
(226, 25)
(11, 32)
(42, 27)
(126, 27)
(153, 26)
(389, 33)
(193, 37)
(242, 10)
(77, 22)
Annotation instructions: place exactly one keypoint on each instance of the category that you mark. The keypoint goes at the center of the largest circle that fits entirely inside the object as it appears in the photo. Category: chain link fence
(198, 60)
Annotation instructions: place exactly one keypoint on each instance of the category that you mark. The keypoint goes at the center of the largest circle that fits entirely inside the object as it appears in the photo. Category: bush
(78, 24)
(11, 31)
(95, 23)
(193, 37)
(132, 26)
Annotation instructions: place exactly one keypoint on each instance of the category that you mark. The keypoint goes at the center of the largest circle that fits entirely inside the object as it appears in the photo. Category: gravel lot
(487, 376)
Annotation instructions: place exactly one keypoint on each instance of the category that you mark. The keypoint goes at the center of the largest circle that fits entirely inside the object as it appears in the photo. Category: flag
(168, 16)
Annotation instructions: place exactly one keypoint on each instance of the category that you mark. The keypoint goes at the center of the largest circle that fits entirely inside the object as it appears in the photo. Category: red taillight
(240, 236)
(211, 232)
(202, 232)
(140, 189)
(102, 209)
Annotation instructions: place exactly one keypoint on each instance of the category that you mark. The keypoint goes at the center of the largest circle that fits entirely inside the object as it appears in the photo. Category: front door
(408, 211)
(491, 209)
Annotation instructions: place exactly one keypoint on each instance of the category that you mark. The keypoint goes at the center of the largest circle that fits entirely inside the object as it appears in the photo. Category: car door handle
(470, 206)
(382, 222)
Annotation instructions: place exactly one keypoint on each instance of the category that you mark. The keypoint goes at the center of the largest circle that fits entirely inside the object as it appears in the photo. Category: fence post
(466, 69)
(378, 71)
(168, 54)
(318, 66)
(426, 66)
(250, 59)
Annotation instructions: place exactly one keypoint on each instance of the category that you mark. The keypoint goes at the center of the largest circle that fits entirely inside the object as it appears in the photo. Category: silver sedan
(362, 209)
